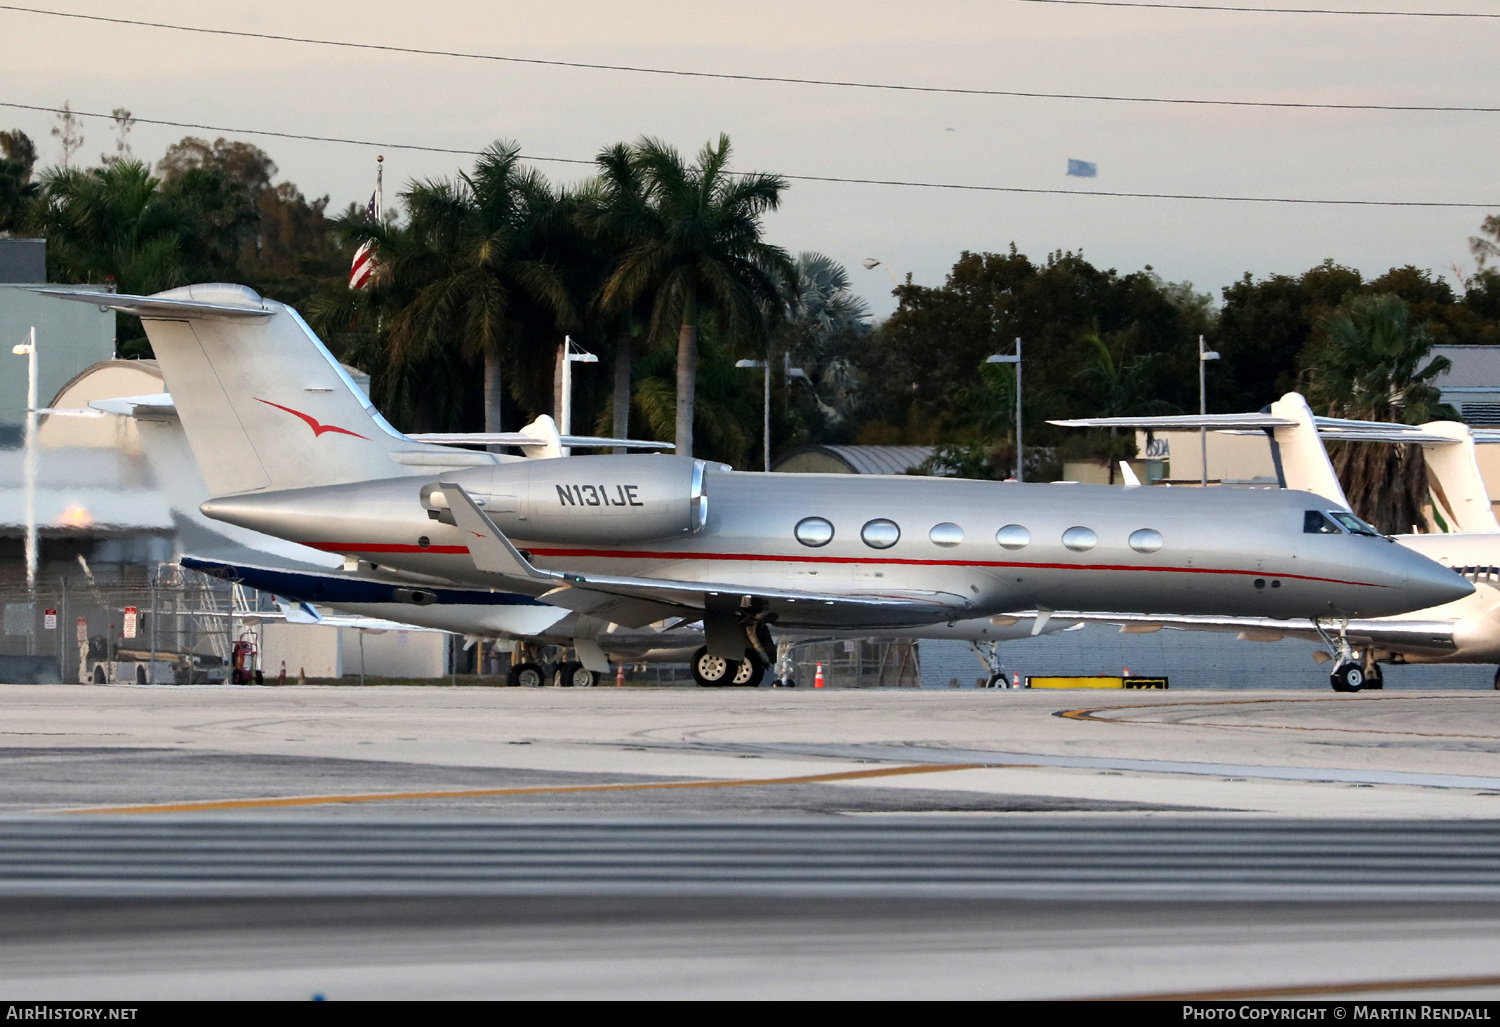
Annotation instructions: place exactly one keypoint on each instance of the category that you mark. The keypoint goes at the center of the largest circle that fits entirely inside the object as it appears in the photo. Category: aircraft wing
(1417, 637)
(638, 601)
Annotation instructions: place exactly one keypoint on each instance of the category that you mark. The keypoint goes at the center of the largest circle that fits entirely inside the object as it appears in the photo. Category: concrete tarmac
(1009, 844)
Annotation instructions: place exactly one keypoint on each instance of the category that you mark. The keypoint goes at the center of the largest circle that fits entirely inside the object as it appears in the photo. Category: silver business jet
(289, 447)
(1465, 630)
(315, 579)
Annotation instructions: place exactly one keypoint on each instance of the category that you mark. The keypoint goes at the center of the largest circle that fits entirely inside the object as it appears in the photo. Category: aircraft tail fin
(1453, 472)
(1301, 459)
(263, 402)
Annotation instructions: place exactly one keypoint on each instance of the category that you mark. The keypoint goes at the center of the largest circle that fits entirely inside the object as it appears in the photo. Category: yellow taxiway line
(1088, 713)
(212, 805)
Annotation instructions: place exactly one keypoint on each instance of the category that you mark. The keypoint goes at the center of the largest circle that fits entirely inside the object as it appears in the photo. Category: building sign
(127, 630)
(49, 619)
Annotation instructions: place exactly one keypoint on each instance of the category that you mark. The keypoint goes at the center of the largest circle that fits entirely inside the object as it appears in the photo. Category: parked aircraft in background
(1465, 630)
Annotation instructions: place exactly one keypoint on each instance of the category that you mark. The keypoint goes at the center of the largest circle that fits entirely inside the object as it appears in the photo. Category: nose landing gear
(1353, 671)
(1347, 677)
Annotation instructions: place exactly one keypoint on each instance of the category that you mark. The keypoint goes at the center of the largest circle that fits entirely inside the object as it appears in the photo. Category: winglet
(1131, 481)
(491, 551)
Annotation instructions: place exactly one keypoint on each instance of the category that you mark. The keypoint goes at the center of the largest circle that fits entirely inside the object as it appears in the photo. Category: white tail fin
(1457, 485)
(263, 402)
(1301, 460)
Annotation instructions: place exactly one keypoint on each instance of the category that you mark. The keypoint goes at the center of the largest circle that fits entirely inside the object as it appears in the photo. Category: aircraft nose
(1428, 583)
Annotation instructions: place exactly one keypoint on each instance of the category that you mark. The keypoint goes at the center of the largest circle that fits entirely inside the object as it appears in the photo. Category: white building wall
(396, 654)
(326, 651)
(310, 648)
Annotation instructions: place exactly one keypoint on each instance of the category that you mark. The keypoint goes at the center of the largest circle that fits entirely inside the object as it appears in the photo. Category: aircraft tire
(575, 675)
(1497, 679)
(1375, 680)
(998, 680)
(526, 675)
(713, 671)
(749, 672)
(1348, 677)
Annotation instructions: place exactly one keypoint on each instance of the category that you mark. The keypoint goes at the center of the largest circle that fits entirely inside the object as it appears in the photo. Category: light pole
(871, 264)
(565, 401)
(1204, 356)
(28, 350)
(765, 366)
(1000, 358)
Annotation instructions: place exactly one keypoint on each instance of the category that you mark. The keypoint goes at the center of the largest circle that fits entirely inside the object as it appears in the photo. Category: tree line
(662, 265)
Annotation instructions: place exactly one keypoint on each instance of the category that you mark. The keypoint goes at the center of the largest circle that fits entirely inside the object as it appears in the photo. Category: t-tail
(1297, 448)
(264, 404)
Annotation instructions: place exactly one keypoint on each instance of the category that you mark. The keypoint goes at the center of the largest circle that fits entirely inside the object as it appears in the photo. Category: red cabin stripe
(643, 554)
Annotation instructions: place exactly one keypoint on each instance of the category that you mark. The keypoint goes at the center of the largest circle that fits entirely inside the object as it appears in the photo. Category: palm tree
(17, 188)
(608, 206)
(824, 323)
(691, 240)
(1367, 368)
(477, 261)
(120, 222)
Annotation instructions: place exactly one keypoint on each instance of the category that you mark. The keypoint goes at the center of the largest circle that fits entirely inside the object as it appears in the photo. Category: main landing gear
(535, 666)
(716, 672)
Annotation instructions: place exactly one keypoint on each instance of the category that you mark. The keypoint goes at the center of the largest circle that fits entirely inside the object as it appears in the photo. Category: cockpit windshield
(1315, 522)
(1353, 524)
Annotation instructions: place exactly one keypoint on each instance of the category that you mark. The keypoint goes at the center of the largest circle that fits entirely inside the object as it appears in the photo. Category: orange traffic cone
(620, 675)
(1127, 673)
(818, 677)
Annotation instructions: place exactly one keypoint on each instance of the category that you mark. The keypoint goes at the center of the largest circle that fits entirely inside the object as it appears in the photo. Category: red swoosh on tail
(312, 422)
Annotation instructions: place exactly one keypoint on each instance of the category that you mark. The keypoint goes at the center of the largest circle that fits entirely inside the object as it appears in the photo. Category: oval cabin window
(1013, 536)
(1080, 539)
(1146, 540)
(946, 534)
(814, 531)
(880, 533)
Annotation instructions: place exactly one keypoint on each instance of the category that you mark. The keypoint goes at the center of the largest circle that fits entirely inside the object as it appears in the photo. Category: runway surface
(183, 842)
(1028, 857)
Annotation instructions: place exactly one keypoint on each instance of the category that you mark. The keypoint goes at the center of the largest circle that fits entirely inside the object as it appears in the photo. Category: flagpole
(379, 188)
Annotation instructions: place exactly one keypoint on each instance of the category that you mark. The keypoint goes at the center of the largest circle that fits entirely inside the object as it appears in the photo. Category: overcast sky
(816, 130)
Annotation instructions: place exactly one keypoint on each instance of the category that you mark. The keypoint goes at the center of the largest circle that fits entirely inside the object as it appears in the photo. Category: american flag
(364, 257)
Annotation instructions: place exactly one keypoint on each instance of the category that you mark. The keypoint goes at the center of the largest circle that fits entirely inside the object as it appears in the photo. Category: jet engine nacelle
(589, 499)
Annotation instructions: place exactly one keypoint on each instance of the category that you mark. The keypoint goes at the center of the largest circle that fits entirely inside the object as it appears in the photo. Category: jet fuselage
(974, 548)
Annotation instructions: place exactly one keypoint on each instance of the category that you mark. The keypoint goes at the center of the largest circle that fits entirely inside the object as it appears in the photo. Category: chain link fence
(176, 627)
(856, 663)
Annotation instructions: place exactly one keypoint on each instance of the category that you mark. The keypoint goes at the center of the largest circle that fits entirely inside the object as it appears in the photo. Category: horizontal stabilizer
(166, 308)
(127, 406)
(1337, 429)
(1182, 422)
(516, 438)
